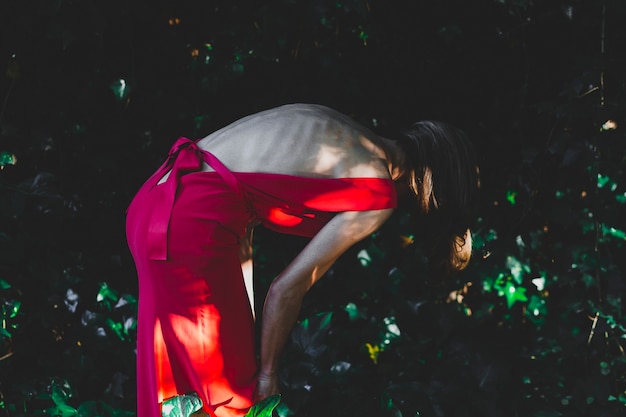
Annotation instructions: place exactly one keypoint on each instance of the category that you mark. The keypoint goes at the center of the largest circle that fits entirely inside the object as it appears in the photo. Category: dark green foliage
(93, 93)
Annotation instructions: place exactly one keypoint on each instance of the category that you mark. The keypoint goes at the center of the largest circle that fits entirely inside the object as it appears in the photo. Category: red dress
(195, 324)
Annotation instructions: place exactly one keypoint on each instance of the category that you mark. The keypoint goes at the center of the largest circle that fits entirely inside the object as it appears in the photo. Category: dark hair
(442, 171)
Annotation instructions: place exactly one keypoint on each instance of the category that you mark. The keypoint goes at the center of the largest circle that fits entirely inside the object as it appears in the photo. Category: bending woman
(299, 169)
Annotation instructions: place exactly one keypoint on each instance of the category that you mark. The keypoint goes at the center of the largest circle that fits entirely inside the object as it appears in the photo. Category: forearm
(280, 313)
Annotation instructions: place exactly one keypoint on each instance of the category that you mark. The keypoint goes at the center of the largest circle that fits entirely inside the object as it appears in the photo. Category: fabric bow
(184, 157)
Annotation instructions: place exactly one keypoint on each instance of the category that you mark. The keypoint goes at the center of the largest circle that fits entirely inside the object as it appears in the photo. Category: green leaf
(264, 408)
(4, 333)
(181, 405)
(353, 311)
(116, 327)
(120, 89)
(511, 196)
(516, 267)
(4, 285)
(613, 232)
(7, 158)
(326, 320)
(107, 296)
(514, 294)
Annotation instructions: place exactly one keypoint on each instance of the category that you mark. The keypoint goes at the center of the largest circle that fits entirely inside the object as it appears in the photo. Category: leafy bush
(94, 94)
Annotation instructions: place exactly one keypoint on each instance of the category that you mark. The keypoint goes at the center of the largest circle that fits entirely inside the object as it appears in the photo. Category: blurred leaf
(326, 320)
(14, 308)
(537, 309)
(353, 311)
(517, 268)
(7, 158)
(121, 89)
(5, 333)
(117, 327)
(511, 196)
(613, 232)
(107, 296)
(373, 351)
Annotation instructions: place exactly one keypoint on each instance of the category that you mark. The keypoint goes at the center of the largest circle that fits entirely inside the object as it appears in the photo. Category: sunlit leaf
(353, 311)
(511, 196)
(4, 333)
(118, 328)
(120, 89)
(364, 257)
(613, 232)
(537, 307)
(126, 299)
(517, 268)
(4, 285)
(606, 181)
(392, 331)
(340, 367)
(106, 296)
(71, 300)
(540, 283)
(181, 405)
(373, 351)
(7, 158)
(514, 293)
(14, 308)
(264, 408)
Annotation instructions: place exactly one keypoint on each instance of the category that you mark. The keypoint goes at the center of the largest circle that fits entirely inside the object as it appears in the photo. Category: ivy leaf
(14, 308)
(264, 408)
(181, 405)
(117, 328)
(7, 158)
(107, 296)
(613, 232)
(4, 333)
(513, 294)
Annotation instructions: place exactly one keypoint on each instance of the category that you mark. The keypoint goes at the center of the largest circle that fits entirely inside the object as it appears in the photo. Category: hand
(267, 385)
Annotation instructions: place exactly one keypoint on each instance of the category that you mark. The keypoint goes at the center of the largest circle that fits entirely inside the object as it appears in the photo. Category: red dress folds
(195, 324)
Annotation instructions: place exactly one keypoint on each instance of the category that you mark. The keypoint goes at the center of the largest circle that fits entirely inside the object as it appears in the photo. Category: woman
(299, 169)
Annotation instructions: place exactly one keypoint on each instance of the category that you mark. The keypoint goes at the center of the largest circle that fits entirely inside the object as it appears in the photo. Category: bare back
(299, 139)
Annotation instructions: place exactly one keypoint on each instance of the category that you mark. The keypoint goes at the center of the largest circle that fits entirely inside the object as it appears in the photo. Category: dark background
(93, 93)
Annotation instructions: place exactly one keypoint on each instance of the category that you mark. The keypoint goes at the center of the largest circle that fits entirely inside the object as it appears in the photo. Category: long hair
(442, 173)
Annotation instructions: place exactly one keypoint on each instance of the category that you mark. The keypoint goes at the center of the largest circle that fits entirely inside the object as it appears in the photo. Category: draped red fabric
(196, 328)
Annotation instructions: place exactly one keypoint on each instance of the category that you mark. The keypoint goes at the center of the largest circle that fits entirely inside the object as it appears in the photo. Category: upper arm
(339, 234)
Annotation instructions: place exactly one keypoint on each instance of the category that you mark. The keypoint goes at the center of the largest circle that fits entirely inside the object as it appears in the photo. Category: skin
(314, 141)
